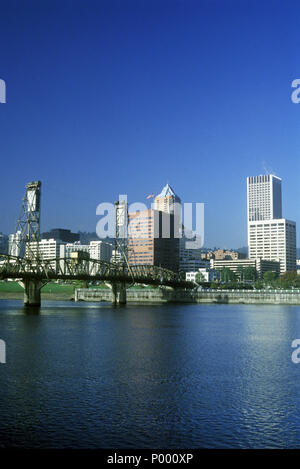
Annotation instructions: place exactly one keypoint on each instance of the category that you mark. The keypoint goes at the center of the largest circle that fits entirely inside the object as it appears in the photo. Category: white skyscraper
(264, 197)
(270, 236)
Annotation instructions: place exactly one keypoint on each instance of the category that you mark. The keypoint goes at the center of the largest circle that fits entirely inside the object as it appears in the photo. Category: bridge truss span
(89, 270)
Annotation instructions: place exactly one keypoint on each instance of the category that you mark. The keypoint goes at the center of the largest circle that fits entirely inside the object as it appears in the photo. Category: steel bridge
(33, 271)
(33, 274)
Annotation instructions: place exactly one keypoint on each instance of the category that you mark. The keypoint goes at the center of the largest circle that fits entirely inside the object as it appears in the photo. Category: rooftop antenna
(267, 169)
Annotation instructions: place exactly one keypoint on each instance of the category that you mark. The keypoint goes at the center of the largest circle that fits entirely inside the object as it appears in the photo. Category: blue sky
(112, 97)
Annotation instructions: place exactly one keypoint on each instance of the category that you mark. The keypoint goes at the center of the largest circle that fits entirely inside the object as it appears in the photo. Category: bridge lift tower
(28, 225)
(27, 237)
(121, 247)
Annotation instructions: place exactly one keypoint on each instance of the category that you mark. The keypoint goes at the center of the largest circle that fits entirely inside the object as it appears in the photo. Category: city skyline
(121, 97)
(152, 204)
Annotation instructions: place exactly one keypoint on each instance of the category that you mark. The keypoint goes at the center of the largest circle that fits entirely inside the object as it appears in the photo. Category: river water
(89, 375)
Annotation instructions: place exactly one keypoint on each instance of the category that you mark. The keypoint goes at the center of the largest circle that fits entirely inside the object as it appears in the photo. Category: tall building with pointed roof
(166, 201)
(153, 234)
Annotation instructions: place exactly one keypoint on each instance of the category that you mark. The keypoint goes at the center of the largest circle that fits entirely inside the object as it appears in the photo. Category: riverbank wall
(162, 295)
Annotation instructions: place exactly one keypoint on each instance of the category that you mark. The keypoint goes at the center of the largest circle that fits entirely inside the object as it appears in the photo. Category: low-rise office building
(261, 265)
(209, 275)
(62, 235)
(273, 240)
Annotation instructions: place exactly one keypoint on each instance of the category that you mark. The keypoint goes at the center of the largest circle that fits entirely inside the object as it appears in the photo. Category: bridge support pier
(32, 292)
(119, 293)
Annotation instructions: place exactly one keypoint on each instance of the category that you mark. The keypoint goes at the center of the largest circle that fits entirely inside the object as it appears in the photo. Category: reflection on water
(29, 309)
(171, 376)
